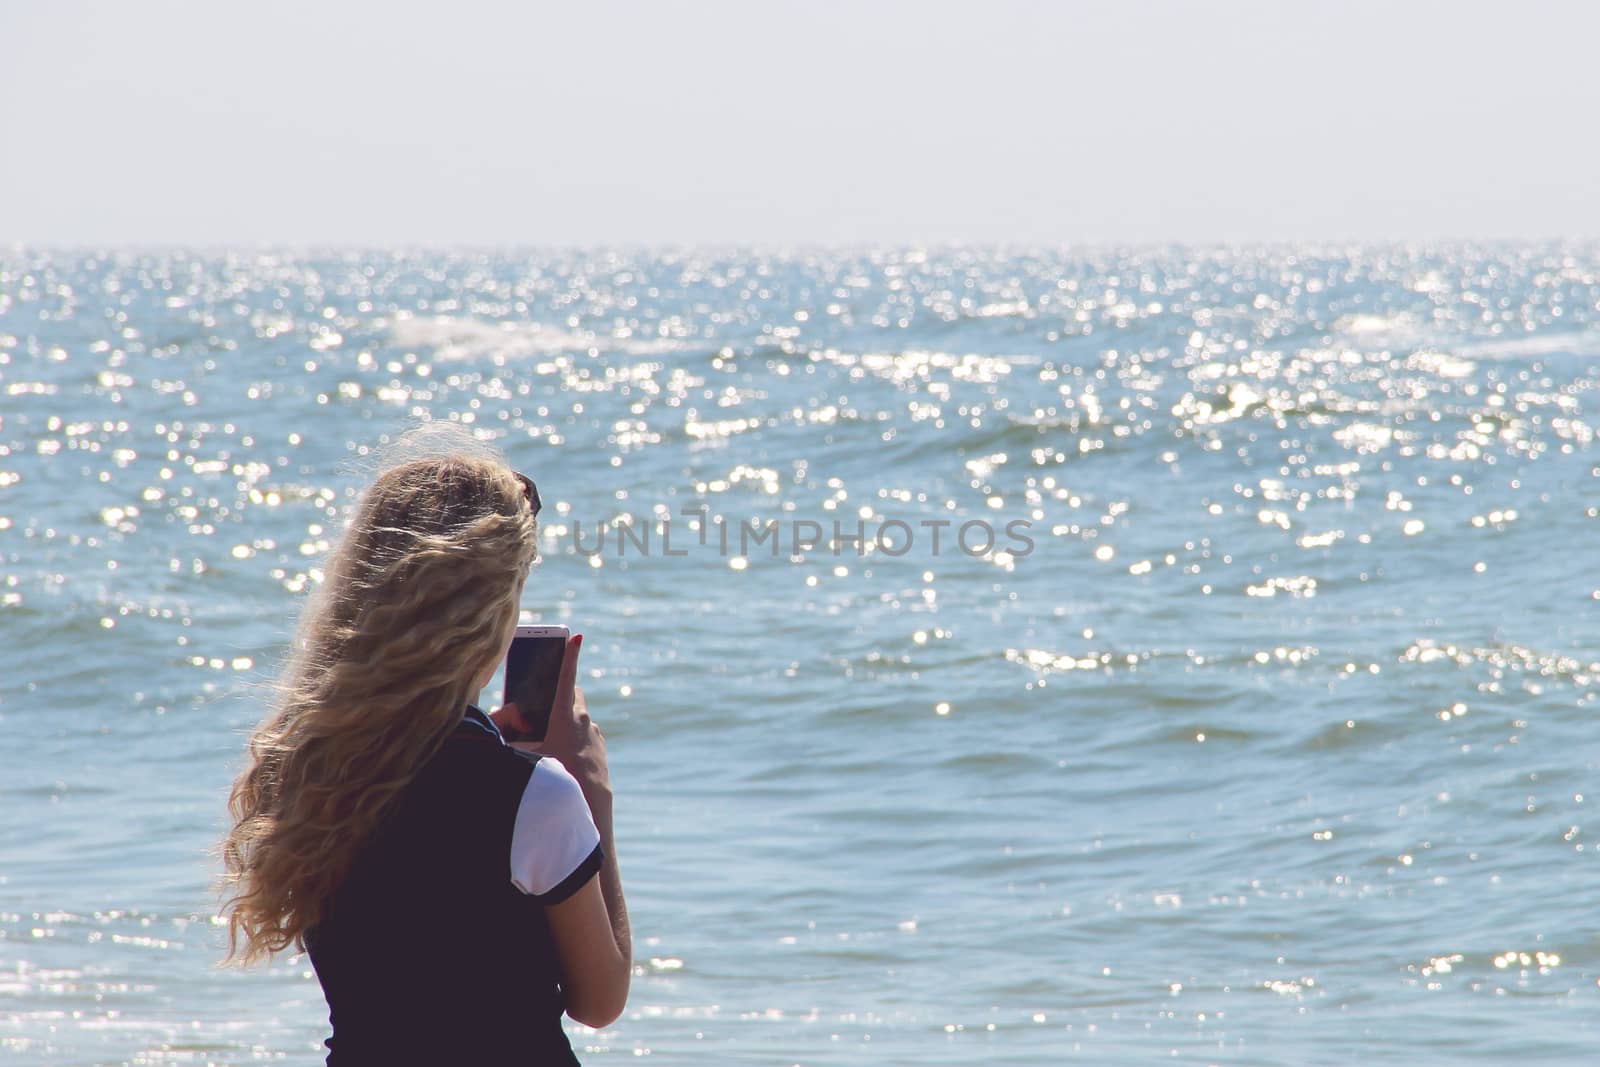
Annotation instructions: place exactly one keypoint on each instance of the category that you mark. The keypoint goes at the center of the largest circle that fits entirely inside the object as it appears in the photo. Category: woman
(455, 893)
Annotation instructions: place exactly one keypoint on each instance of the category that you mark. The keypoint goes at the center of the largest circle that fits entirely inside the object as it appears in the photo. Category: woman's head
(433, 564)
(416, 601)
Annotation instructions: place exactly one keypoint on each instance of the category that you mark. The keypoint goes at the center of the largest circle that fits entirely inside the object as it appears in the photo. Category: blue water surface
(1262, 733)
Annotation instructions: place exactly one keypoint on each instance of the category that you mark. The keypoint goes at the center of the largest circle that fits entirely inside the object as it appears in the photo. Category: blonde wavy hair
(416, 596)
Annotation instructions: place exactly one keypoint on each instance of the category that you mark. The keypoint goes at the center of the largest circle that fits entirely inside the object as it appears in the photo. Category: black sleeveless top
(428, 952)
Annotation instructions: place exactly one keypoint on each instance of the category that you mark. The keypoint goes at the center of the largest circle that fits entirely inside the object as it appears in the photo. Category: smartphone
(533, 668)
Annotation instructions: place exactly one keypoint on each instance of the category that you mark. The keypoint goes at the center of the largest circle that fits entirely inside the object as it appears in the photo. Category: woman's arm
(590, 928)
(590, 931)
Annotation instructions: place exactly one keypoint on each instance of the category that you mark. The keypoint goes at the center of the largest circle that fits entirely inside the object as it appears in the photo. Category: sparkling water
(1242, 713)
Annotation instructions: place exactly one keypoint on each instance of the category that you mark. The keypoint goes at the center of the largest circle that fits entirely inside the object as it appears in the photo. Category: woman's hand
(572, 737)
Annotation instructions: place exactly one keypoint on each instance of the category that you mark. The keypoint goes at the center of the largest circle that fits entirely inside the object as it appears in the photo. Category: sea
(1006, 655)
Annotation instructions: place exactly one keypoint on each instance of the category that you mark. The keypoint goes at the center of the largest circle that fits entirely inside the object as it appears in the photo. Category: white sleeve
(555, 848)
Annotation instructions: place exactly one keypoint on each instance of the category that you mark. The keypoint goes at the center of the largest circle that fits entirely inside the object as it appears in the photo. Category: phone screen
(533, 667)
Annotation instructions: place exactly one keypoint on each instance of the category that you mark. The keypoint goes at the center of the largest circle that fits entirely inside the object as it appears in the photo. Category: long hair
(416, 595)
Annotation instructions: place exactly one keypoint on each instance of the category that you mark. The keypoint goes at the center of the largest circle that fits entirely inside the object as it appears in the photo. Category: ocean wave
(453, 338)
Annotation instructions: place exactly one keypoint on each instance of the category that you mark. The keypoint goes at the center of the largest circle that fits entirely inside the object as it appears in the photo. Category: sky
(778, 123)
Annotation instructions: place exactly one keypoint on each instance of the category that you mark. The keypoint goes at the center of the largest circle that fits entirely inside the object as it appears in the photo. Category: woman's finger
(561, 714)
(569, 670)
(509, 717)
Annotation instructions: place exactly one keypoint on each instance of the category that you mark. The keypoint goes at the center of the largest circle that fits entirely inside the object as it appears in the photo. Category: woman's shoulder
(473, 762)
